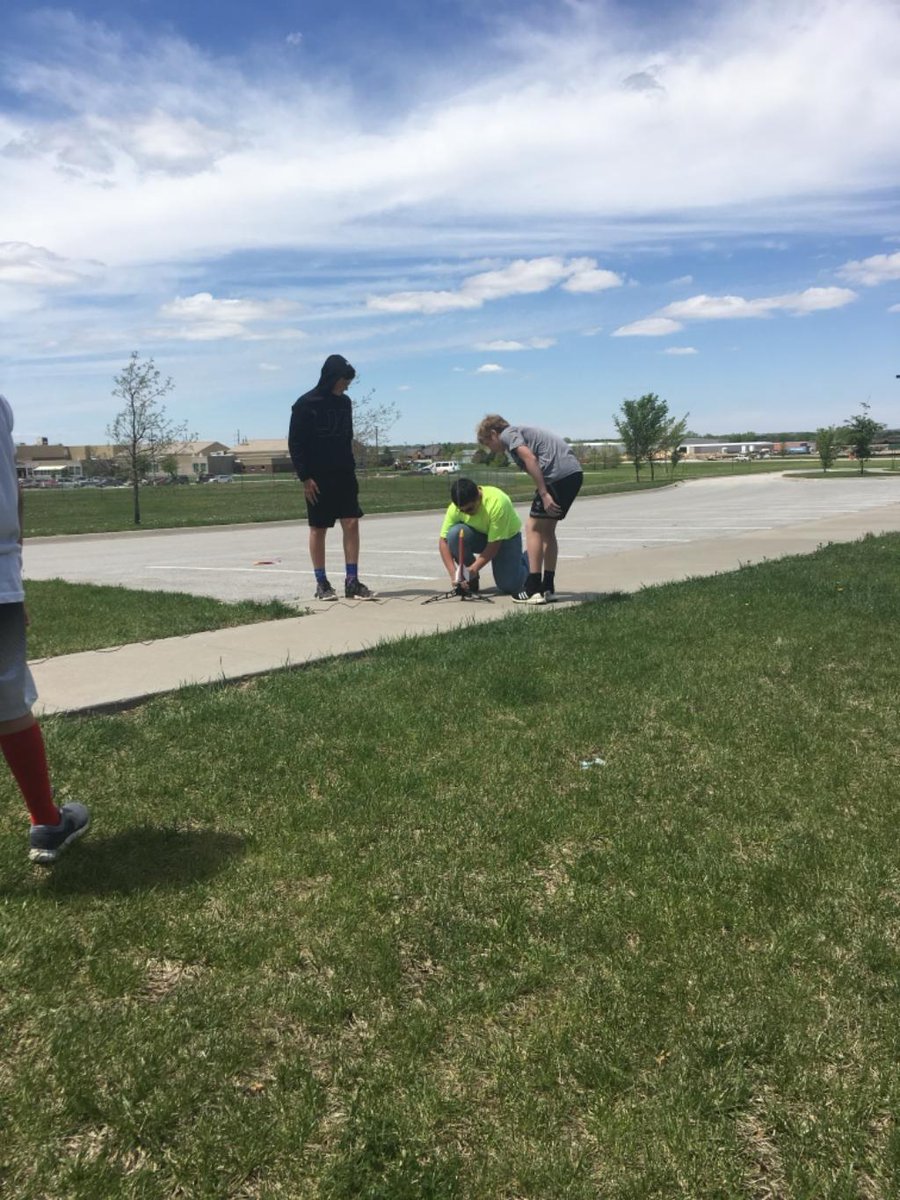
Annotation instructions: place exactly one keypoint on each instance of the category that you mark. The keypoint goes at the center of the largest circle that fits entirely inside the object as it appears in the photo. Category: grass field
(371, 930)
(246, 500)
(94, 510)
(68, 617)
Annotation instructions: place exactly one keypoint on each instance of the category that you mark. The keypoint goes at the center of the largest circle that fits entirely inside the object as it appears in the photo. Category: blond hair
(493, 423)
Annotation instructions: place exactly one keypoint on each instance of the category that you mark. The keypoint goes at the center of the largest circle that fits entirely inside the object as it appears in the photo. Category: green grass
(247, 500)
(68, 617)
(369, 930)
(838, 473)
(52, 511)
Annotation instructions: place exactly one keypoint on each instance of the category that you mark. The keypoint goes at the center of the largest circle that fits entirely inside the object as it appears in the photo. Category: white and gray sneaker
(324, 591)
(49, 841)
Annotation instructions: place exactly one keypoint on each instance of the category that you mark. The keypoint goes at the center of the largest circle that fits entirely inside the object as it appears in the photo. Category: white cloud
(716, 308)
(490, 369)
(739, 127)
(422, 302)
(894, 308)
(501, 346)
(880, 268)
(267, 366)
(294, 39)
(206, 318)
(522, 277)
(679, 350)
(648, 327)
(35, 266)
(726, 308)
(816, 299)
(719, 308)
(592, 279)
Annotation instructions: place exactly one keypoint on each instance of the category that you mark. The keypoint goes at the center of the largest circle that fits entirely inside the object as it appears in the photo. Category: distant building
(262, 456)
(701, 448)
(43, 461)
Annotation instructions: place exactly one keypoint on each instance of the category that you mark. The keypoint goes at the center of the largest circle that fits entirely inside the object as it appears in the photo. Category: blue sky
(532, 209)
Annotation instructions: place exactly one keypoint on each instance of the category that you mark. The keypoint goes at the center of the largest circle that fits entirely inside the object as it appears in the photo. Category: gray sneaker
(49, 841)
(354, 589)
(324, 591)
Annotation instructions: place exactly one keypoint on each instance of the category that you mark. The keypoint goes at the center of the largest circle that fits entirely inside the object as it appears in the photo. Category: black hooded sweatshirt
(321, 433)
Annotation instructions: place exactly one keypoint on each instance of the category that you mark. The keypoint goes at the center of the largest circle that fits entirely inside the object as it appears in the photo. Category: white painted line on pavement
(230, 570)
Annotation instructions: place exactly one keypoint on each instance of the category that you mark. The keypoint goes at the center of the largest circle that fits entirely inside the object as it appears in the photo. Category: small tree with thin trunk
(829, 441)
(672, 440)
(861, 433)
(641, 427)
(141, 432)
(371, 424)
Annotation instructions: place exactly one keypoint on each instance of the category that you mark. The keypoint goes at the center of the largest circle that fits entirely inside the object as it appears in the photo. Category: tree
(141, 432)
(672, 440)
(607, 457)
(169, 464)
(371, 424)
(641, 426)
(829, 441)
(861, 433)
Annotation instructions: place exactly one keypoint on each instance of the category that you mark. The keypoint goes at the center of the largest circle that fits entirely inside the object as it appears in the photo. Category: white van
(445, 468)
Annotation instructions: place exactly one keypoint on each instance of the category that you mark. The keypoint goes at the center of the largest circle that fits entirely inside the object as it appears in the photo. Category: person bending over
(557, 476)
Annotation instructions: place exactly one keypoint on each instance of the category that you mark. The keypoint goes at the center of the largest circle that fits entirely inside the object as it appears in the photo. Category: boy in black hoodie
(321, 447)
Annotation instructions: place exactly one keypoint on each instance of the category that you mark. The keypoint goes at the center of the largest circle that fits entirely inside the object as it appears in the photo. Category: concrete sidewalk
(108, 679)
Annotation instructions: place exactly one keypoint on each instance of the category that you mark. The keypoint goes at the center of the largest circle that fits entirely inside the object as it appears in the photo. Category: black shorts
(338, 499)
(563, 492)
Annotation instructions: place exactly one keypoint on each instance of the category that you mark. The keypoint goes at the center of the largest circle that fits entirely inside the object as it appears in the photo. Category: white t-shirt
(11, 590)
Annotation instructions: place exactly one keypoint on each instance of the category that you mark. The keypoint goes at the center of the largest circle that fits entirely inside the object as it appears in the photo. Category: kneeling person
(492, 533)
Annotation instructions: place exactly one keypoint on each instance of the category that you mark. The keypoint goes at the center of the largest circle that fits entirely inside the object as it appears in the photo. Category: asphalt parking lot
(399, 553)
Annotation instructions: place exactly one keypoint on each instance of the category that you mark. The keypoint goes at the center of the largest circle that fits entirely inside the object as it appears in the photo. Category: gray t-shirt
(555, 457)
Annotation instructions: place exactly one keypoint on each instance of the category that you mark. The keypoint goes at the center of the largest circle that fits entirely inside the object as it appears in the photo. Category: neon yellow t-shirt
(495, 518)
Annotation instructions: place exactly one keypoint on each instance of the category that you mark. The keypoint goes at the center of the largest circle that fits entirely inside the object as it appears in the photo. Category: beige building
(43, 461)
(262, 456)
(193, 457)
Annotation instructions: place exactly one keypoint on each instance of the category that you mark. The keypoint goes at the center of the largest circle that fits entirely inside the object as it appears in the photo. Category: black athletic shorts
(338, 498)
(563, 492)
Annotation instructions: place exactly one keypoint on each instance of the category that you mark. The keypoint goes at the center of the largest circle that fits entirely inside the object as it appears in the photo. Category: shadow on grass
(140, 859)
(603, 597)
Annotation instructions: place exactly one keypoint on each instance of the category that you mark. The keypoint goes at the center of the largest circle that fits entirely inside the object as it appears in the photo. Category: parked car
(445, 468)
(219, 479)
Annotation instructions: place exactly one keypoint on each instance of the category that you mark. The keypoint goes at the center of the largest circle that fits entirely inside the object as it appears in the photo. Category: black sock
(548, 580)
(533, 583)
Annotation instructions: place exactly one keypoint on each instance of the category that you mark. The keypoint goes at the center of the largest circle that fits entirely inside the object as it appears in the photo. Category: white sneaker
(524, 598)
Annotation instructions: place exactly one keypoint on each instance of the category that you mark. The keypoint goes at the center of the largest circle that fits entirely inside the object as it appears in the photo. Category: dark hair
(463, 491)
(334, 368)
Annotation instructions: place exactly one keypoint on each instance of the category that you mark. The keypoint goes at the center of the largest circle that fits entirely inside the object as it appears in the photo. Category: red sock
(24, 751)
